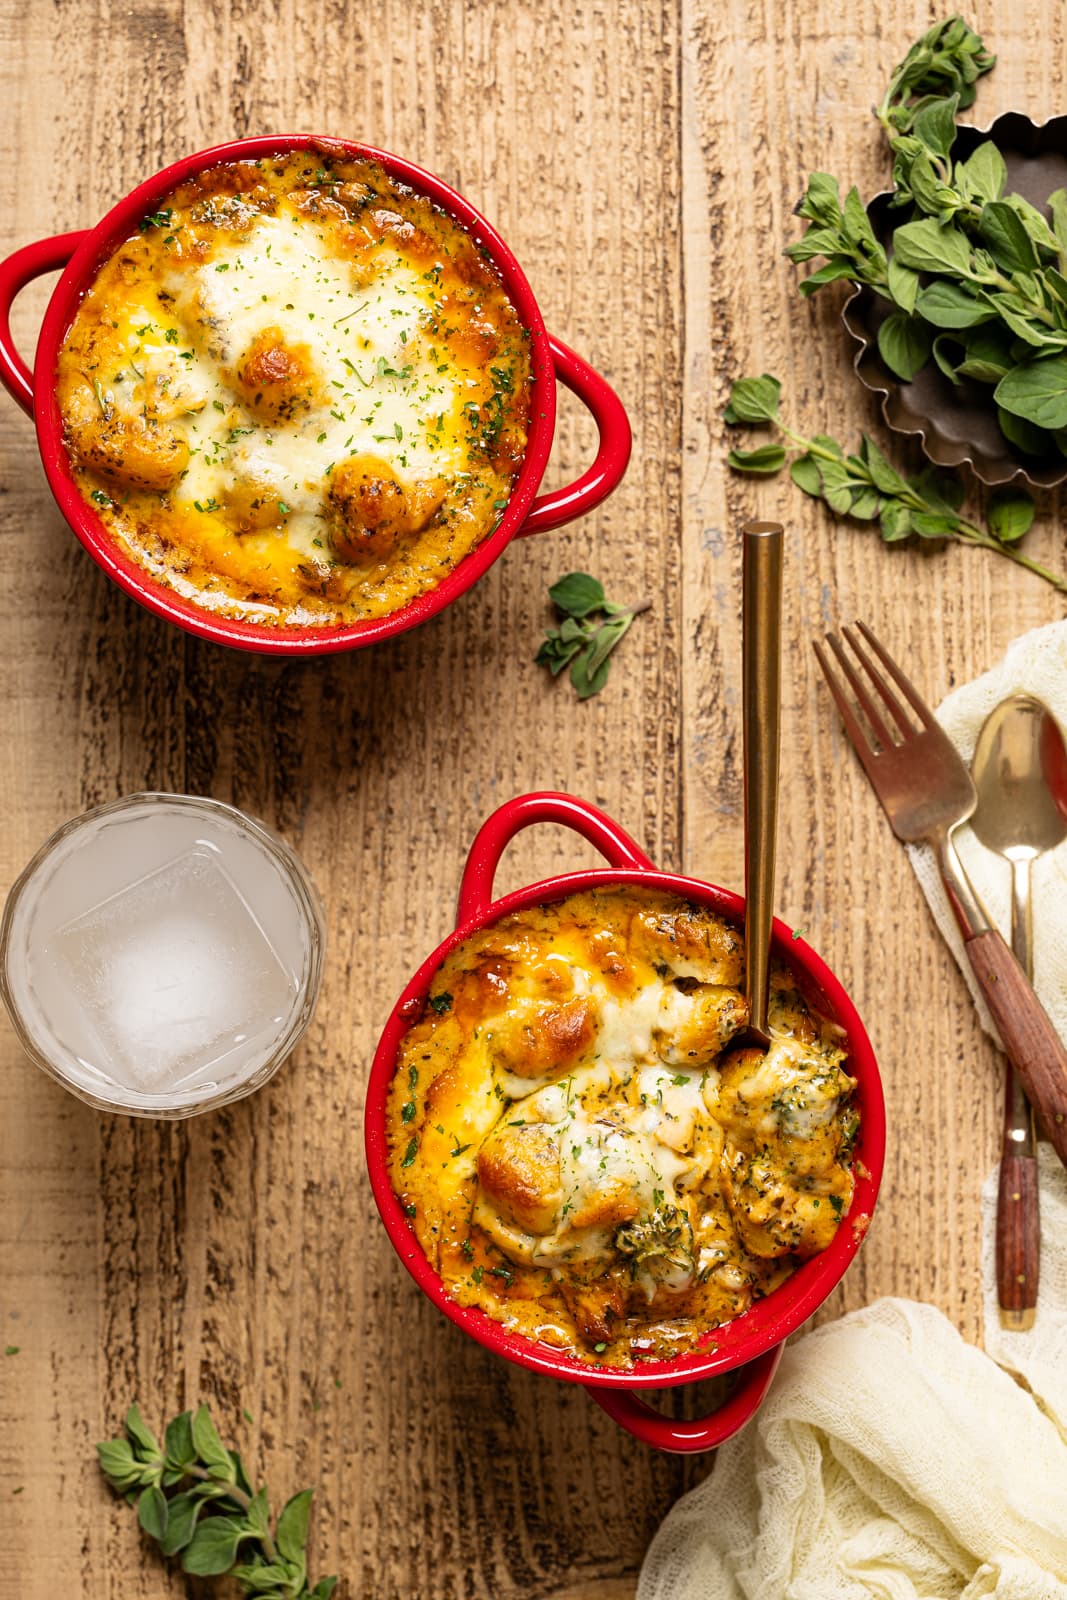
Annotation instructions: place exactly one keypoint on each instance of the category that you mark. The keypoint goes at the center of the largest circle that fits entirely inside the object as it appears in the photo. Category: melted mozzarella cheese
(294, 409)
(655, 1166)
(377, 390)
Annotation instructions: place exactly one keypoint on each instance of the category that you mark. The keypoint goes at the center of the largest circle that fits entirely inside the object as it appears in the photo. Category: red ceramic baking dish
(751, 1345)
(81, 254)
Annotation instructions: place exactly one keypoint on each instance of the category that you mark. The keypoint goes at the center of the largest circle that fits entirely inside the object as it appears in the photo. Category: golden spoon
(761, 648)
(1018, 762)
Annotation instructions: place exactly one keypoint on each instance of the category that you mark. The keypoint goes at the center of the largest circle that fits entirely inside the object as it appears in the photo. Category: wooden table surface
(642, 157)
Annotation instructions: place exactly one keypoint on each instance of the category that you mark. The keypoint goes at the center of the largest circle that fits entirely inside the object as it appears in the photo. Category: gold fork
(926, 792)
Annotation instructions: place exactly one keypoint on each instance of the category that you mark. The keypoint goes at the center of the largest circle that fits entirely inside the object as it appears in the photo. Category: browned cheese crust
(298, 394)
(582, 1153)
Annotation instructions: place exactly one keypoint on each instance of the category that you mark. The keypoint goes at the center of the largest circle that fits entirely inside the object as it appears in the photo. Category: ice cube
(174, 976)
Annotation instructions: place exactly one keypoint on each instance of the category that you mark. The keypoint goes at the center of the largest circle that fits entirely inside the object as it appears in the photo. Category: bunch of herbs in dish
(976, 275)
(194, 1498)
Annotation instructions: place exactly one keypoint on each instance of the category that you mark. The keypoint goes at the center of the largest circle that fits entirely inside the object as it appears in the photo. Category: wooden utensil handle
(1031, 1043)
(1018, 1236)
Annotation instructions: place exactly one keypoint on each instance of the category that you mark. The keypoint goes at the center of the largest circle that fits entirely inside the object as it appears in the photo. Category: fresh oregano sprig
(866, 487)
(194, 1498)
(591, 629)
(948, 59)
(977, 276)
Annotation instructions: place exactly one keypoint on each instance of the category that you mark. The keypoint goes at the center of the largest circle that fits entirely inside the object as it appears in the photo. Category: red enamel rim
(757, 1331)
(93, 247)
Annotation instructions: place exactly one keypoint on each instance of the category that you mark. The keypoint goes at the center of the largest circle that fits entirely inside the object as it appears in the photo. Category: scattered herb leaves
(867, 487)
(194, 1498)
(591, 628)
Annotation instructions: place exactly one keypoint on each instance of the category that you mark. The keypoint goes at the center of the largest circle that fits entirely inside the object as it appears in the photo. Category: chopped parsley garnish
(155, 219)
(410, 1153)
(440, 1003)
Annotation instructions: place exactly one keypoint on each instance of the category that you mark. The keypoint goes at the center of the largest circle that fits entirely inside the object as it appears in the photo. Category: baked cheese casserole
(581, 1151)
(297, 394)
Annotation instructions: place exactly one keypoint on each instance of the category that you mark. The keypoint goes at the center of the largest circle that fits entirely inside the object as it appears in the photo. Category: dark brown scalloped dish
(957, 425)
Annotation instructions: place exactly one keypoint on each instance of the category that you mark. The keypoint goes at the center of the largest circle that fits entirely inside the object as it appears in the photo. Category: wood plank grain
(642, 159)
(237, 1258)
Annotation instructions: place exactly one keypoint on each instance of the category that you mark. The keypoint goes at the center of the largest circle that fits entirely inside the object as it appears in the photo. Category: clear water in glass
(159, 953)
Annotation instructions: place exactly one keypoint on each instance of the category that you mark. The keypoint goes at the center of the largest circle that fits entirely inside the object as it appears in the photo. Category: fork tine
(858, 737)
(859, 689)
(918, 704)
(888, 698)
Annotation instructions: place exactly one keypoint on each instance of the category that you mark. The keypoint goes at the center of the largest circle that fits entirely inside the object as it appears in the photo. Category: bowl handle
(705, 1433)
(47, 255)
(613, 450)
(476, 889)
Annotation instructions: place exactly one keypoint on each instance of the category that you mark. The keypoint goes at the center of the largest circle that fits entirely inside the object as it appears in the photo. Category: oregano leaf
(804, 472)
(865, 504)
(832, 272)
(754, 400)
(183, 1512)
(209, 1447)
(213, 1547)
(178, 1441)
(903, 284)
(117, 1460)
(884, 476)
(141, 1434)
(765, 460)
(1010, 514)
(1002, 232)
(934, 524)
(951, 305)
(928, 247)
(585, 681)
(577, 594)
(904, 345)
(895, 521)
(935, 125)
(152, 1511)
(1036, 391)
(983, 175)
(587, 636)
(291, 1536)
(865, 487)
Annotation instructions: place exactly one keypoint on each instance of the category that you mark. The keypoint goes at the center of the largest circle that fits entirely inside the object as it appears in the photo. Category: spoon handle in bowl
(761, 708)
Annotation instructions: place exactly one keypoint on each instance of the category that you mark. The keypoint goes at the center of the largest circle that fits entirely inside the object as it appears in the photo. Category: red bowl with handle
(750, 1345)
(81, 254)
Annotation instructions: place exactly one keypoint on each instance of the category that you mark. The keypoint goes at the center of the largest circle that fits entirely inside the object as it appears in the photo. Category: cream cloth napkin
(890, 1461)
(1037, 664)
